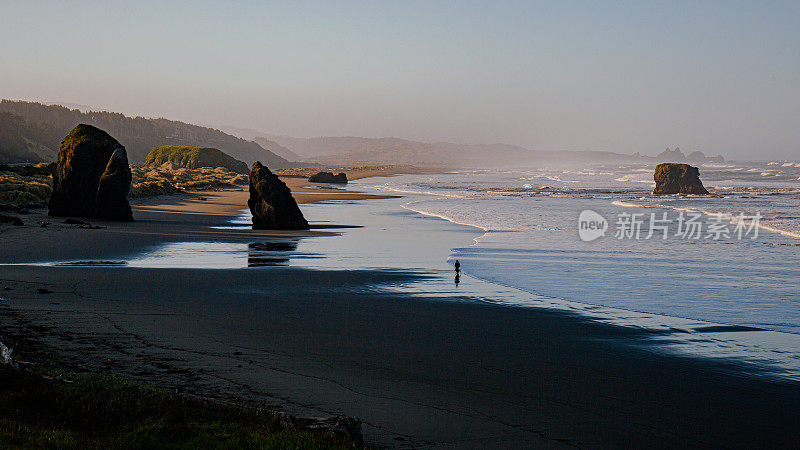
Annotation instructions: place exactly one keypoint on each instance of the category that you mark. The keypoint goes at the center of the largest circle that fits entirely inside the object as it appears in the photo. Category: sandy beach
(420, 371)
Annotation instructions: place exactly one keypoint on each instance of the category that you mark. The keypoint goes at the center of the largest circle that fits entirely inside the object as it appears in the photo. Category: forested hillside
(22, 140)
(138, 134)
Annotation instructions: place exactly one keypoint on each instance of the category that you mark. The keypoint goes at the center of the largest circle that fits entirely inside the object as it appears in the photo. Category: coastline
(185, 216)
(419, 370)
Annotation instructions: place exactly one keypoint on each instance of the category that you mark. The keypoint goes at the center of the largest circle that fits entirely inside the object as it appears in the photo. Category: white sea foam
(635, 179)
(623, 204)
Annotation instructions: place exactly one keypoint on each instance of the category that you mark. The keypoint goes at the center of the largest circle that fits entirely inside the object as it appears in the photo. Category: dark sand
(417, 371)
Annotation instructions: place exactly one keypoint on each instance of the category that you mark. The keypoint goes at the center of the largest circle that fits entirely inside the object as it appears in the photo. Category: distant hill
(194, 158)
(137, 134)
(346, 150)
(261, 138)
(22, 140)
(278, 149)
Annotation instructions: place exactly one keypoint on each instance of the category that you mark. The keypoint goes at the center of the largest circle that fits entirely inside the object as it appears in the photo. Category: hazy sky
(721, 77)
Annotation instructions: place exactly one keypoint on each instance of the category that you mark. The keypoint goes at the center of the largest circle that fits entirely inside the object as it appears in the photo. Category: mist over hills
(348, 150)
(22, 140)
(261, 139)
(355, 150)
(32, 132)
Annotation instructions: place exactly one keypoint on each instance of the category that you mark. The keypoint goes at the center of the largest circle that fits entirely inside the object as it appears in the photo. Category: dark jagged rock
(672, 178)
(114, 185)
(92, 176)
(271, 202)
(328, 177)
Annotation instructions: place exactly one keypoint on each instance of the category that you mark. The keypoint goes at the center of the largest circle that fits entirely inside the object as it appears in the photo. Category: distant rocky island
(695, 157)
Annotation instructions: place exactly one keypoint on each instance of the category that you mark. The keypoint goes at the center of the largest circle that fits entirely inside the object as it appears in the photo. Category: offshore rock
(672, 178)
(91, 177)
(271, 202)
(328, 177)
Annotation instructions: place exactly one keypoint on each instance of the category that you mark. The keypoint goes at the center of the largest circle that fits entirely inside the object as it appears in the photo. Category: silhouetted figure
(458, 267)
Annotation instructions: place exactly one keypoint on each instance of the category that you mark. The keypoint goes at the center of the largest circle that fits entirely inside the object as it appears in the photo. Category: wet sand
(420, 372)
(180, 217)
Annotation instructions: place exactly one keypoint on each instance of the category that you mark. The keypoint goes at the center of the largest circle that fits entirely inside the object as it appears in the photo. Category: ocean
(738, 263)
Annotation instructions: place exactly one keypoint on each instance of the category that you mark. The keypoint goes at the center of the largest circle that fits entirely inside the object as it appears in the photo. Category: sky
(721, 77)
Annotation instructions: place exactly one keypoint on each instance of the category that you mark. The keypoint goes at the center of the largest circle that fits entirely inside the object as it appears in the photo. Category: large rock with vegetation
(271, 202)
(673, 178)
(92, 177)
(193, 158)
(328, 177)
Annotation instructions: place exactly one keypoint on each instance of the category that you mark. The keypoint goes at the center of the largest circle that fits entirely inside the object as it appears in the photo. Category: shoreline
(181, 216)
(420, 371)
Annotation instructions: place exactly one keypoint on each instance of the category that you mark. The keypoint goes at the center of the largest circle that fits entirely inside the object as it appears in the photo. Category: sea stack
(91, 177)
(673, 178)
(328, 177)
(271, 202)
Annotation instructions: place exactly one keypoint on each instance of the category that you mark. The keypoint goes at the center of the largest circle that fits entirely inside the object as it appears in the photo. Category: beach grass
(25, 191)
(166, 179)
(56, 409)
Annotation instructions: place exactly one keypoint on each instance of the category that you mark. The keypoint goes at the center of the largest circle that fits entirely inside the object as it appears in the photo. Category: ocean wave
(719, 166)
(633, 179)
(623, 204)
(553, 178)
(444, 217)
(408, 190)
(733, 218)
